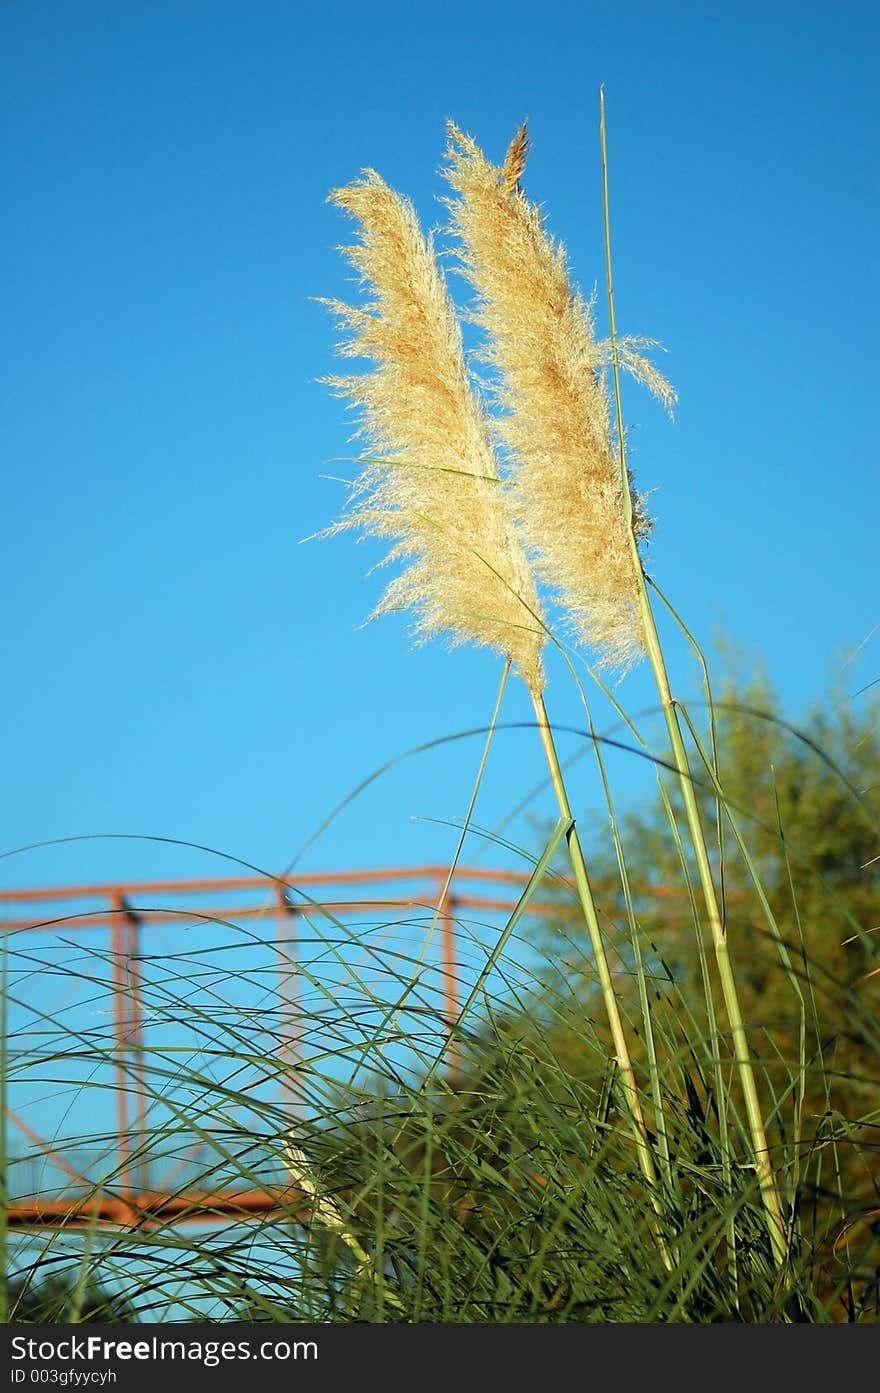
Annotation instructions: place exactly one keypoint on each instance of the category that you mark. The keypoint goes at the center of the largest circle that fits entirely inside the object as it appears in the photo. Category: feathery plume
(429, 482)
(515, 159)
(324, 1210)
(551, 380)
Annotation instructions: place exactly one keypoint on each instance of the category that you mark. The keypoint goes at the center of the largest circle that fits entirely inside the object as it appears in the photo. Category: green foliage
(513, 1192)
(807, 805)
(507, 1187)
(65, 1299)
(501, 1201)
(795, 852)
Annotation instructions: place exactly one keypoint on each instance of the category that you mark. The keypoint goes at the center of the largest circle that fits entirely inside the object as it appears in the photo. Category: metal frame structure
(120, 909)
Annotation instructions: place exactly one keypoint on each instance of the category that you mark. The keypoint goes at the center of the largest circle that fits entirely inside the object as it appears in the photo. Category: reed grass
(505, 1190)
(575, 490)
(595, 1147)
(761, 1151)
(431, 485)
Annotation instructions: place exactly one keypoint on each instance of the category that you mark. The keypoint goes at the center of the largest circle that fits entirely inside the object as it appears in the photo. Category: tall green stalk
(763, 1167)
(606, 984)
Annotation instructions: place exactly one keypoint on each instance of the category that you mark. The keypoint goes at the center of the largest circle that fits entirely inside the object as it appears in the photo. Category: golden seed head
(429, 481)
(515, 159)
(550, 379)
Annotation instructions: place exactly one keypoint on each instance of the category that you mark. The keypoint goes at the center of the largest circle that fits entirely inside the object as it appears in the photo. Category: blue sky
(176, 662)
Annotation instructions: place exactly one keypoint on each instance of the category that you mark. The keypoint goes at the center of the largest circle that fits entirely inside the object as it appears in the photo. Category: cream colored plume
(557, 425)
(324, 1210)
(429, 480)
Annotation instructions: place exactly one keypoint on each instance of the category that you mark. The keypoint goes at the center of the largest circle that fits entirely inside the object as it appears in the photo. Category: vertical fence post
(117, 958)
(132, 943)
(449, 971)
(288, 1002)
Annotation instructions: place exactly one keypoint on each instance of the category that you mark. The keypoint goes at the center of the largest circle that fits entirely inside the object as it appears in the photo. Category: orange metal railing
(124, 910)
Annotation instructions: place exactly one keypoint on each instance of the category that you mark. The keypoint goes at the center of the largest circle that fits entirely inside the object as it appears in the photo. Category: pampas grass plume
(429, 480)
(549, 376)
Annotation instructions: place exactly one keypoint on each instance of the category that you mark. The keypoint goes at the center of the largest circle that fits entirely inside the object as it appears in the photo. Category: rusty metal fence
(88, 973)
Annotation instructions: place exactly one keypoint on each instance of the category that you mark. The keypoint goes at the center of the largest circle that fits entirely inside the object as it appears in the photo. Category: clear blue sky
(175, 662)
